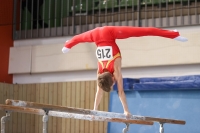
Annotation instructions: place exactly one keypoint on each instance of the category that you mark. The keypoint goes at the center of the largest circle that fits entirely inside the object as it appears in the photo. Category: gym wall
(71, 94)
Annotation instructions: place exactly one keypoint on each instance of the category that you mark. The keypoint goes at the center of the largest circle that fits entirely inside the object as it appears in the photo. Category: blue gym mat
(162, 83)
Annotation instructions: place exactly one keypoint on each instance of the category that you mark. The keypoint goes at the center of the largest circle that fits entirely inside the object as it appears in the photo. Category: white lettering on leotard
(104, 53)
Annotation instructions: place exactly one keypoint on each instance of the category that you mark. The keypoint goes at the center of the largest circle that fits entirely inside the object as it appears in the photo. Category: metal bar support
(125, 130)
(45, 120)
(3, 122)
(161, 128)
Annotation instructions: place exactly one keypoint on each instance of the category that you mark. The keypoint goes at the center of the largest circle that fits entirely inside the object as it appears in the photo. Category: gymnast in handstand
(109, 56)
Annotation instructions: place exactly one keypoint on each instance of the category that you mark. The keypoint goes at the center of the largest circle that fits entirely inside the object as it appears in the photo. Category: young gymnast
(109, 57)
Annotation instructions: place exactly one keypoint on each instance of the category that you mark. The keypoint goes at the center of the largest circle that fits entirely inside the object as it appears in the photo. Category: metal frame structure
(77, 16)
(77, 113)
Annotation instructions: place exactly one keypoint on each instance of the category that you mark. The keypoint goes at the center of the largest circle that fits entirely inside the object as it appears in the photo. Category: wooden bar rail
(79, 113)
(89, 112)
(71, 115)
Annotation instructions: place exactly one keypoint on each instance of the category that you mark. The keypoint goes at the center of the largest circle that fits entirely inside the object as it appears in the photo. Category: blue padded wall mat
(167, 79)
(169, 83)
(127, 84)
(167, 86)
(161, 83)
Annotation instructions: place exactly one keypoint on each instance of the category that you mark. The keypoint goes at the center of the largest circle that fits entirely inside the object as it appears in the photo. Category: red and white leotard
(106, 36)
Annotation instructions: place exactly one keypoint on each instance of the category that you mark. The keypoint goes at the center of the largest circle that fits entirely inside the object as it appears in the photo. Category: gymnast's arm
(98, 97)
(84, 37)
(118, 78)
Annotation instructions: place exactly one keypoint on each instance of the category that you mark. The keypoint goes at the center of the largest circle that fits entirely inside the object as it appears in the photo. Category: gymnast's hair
(105, 81)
